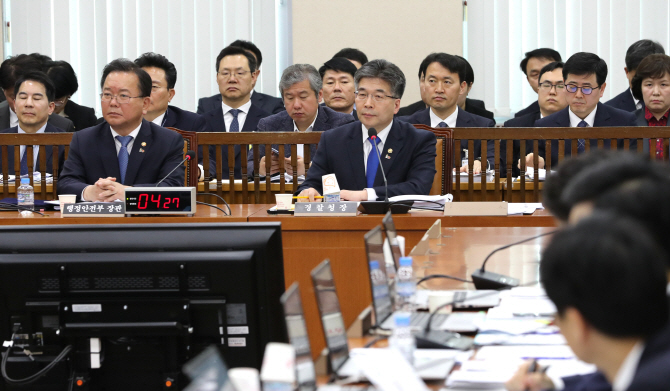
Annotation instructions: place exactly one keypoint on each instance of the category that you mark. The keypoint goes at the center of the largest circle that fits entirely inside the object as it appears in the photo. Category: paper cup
(66, 199)
(284, 201)
(438, 298)
(245, 378)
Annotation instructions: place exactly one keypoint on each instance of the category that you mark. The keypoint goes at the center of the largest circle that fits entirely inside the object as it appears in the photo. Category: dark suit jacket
(605, 116)
(409, 168)
(478, 110)
(215, 123)
(326, 119)
(81, 116)
(49, 169)
(464, 120)
(624, 101)
(54, 119)
(532, 108)
(93, 156)
(641, 121)
(184, 120)
(525, 121)
(266, 102)
(411, 109)
(475, 103)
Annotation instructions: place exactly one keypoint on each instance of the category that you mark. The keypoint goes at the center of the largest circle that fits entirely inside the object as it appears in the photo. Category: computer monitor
(297, 333)
(382, 303)
(153, 297)
(392, 237)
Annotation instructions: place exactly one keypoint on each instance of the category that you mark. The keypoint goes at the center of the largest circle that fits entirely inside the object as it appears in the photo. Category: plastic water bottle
(402, 338)
(25, 195)
(405, 286)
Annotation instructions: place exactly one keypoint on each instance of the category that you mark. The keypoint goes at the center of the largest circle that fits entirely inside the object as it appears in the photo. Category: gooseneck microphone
(372, 133)
(189, 155)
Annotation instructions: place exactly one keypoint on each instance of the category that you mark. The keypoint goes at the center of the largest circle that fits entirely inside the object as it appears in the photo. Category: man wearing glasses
(407, 154)
(584, 76)
(236, 76)
(125, 150)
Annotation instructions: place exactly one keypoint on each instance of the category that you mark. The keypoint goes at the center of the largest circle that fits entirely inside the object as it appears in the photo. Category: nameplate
(475, 208)
(94, 209)
(326, 209)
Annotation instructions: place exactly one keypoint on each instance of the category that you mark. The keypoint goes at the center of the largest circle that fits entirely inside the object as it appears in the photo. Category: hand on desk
(529, 161)
(289, 168)
(274, 167)
(311, 193)
(105, 190)
(533, 381)
(476, 167)
(353, 195)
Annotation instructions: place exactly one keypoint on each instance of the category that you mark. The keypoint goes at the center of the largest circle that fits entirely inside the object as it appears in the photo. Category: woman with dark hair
(65, 80)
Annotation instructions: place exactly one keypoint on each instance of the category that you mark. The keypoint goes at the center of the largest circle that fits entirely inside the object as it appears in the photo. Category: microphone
(189, 155)
(488, 280)
(372, 133)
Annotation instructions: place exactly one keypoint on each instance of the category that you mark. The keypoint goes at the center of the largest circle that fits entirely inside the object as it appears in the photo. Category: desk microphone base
(487, 280)
(382, 207)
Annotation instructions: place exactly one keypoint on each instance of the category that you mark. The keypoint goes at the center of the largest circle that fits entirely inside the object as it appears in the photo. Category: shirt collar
(626, 372)
(310, 127)
(13, 118)
(159, 120)
(450, 120)
(381, 135)
(648, 115)
(40, 130)
(574, 120)
(637, 102)
(244, 108)
(133, 133)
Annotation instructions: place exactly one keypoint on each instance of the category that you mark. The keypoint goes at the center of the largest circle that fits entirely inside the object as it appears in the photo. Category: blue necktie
(442, 125)
(24, 161)
(123, 155)
(373, 163)
(580, 142)
(234, 126)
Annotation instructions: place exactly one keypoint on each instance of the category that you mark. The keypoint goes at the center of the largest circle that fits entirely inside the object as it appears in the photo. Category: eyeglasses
(378, 97)
(547, 86)
(226, 74)
(121, 98)
(60, 102)
(571, 88)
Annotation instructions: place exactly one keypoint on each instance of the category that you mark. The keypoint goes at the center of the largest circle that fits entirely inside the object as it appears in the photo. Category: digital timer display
(157, 200)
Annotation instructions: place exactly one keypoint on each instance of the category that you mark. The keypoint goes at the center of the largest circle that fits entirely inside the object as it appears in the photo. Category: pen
(532, 369)
(304, 197)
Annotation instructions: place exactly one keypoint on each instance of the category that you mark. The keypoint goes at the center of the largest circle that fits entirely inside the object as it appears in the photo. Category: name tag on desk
(94, 209)
(326, 209)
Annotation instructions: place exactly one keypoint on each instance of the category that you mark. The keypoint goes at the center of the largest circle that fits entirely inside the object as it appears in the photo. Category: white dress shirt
(638, 104)
(241, 116)
(626, 372)
(36, 148)
(367, 148)
(450, 120)
(159, 120)
(13, 119)
(301, 147)
(574, 120)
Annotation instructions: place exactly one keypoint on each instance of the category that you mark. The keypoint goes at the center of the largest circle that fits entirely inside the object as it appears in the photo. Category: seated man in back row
(125, 150)
(407, 154)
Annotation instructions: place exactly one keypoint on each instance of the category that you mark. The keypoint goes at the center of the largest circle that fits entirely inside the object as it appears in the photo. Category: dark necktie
(24, 161)
(373, 163)
(234, 126)
(123, 155)
(442, 125)
(581, 142)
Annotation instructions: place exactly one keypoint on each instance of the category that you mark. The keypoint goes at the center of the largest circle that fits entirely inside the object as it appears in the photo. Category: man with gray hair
(406, 154)
(300, 88)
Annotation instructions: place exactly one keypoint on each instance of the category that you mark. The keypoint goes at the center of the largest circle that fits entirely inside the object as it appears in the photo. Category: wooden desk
(309, 240)
(204, 214)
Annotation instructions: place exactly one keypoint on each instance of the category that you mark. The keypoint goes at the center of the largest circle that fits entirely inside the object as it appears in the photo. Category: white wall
(401, 31)
(190, 33)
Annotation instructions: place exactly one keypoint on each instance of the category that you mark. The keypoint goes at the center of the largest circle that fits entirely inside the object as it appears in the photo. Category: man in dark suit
(407, 154)
(551, 98)
(300, 87)
(337, 76)
(473, 106)
(10, 70)
(236, 77)
(163, 79)
(531, 65)
(34, 102)
(444, 82)
(634, 55)
(357, 57)
(266, 102)
(125, 150)
(584, 75)
(65, 81)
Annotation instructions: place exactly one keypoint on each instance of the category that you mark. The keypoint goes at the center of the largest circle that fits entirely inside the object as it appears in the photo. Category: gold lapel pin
(390, 150)
(144, 144)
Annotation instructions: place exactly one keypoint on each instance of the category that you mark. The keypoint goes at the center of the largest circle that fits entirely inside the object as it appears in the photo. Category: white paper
(503, 353)
(518, 208)
(387, 369)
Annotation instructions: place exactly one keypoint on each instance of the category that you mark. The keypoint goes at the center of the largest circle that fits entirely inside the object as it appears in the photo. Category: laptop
(297, 333)
(463, 298)
(428, 364)
(381, 287)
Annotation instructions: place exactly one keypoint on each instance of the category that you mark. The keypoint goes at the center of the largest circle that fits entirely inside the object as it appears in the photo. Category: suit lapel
(145, 137)
(463, 120)
(424, 117)
(355, 148)
(602, 116)
(562, 118)
(170, 119)
(394, 144)
(4, 115)
(107, 151)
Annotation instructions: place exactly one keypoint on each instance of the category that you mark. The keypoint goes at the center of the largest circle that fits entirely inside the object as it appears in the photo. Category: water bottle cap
(406, 261)
(402, 319)
(374, 265)
(25, 181)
